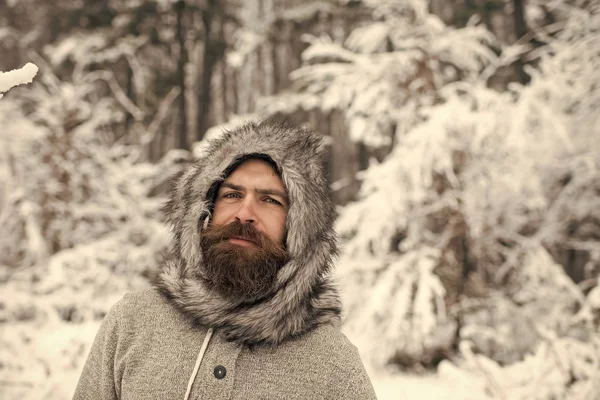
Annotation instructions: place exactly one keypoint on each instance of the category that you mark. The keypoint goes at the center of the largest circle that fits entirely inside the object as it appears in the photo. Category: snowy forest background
(465, 159)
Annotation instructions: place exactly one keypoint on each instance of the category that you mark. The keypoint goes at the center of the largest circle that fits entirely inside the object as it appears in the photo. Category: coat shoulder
(146, 310)
(330, 345)
(330, 338)
(144, 298)
(134, 304)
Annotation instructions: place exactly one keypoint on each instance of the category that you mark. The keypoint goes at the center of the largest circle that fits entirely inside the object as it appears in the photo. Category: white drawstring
(198, 361)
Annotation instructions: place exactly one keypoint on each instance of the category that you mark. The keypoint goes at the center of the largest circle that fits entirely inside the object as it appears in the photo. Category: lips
(245, 239)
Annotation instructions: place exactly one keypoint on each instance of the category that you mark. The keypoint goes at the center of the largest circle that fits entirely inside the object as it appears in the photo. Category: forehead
(257, 171)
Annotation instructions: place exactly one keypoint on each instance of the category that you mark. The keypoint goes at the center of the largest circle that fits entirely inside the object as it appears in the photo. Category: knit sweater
(146, 349)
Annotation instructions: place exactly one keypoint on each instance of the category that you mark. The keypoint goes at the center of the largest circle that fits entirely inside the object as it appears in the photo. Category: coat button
(220, 372)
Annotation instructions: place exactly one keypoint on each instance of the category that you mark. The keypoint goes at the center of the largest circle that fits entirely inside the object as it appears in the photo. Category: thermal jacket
(181, 340)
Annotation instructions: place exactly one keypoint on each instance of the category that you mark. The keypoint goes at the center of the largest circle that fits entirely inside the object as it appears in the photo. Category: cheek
(277, 228)
(220, 214)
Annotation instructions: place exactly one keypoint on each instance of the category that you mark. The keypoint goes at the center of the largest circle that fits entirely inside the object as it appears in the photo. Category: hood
(305, 297)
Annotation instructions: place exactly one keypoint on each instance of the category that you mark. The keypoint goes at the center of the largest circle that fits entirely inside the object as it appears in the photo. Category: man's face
(243, 246)
(253, 194)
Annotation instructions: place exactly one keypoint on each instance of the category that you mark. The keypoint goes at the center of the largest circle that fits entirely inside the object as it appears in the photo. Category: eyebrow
(271, 192)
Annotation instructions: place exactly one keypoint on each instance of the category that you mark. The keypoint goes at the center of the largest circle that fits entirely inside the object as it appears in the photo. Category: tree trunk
(519, 15)
(486, 11)
(209, 59)
(131, 95)
(180, 78)
(268, 71)
(520, 31)
(219, 113)
(231, 76)
(486, 16)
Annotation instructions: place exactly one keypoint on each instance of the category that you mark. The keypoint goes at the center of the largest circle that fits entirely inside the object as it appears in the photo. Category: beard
(240, 273)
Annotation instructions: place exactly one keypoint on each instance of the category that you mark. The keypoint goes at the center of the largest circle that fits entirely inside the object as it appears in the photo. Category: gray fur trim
(305, 297)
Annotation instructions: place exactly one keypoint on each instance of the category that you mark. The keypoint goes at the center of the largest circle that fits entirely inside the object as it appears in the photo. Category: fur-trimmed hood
(305, 297)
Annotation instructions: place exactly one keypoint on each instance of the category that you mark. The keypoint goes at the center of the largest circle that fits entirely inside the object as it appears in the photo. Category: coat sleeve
(350, 380)
(355, 384)
(99, 379)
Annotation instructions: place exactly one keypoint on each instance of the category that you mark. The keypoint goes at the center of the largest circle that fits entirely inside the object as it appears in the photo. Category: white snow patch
(17, 77)
(422, 387)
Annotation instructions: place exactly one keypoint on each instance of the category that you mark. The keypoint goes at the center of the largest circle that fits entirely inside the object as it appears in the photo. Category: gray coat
(146, 349)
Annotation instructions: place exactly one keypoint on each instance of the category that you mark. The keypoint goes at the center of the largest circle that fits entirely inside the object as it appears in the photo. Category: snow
(425, 387)
(17, 77)
(593, 298)
(369, 39)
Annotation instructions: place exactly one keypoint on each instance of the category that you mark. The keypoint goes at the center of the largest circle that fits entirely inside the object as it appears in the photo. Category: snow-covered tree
(79, 226)
(385, 70)
(562, 158)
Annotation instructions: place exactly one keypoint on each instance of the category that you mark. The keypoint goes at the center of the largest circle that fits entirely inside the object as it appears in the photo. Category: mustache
(237, 230)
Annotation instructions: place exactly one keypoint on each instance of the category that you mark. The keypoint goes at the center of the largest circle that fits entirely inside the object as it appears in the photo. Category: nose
(246, 213)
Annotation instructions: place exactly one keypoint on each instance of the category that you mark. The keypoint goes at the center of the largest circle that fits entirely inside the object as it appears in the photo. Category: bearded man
(244, 307)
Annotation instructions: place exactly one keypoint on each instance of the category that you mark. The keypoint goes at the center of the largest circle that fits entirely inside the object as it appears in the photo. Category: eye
(273, 201)
(231, 195)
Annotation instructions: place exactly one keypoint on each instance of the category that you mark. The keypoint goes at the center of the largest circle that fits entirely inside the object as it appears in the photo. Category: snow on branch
(17, 77)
